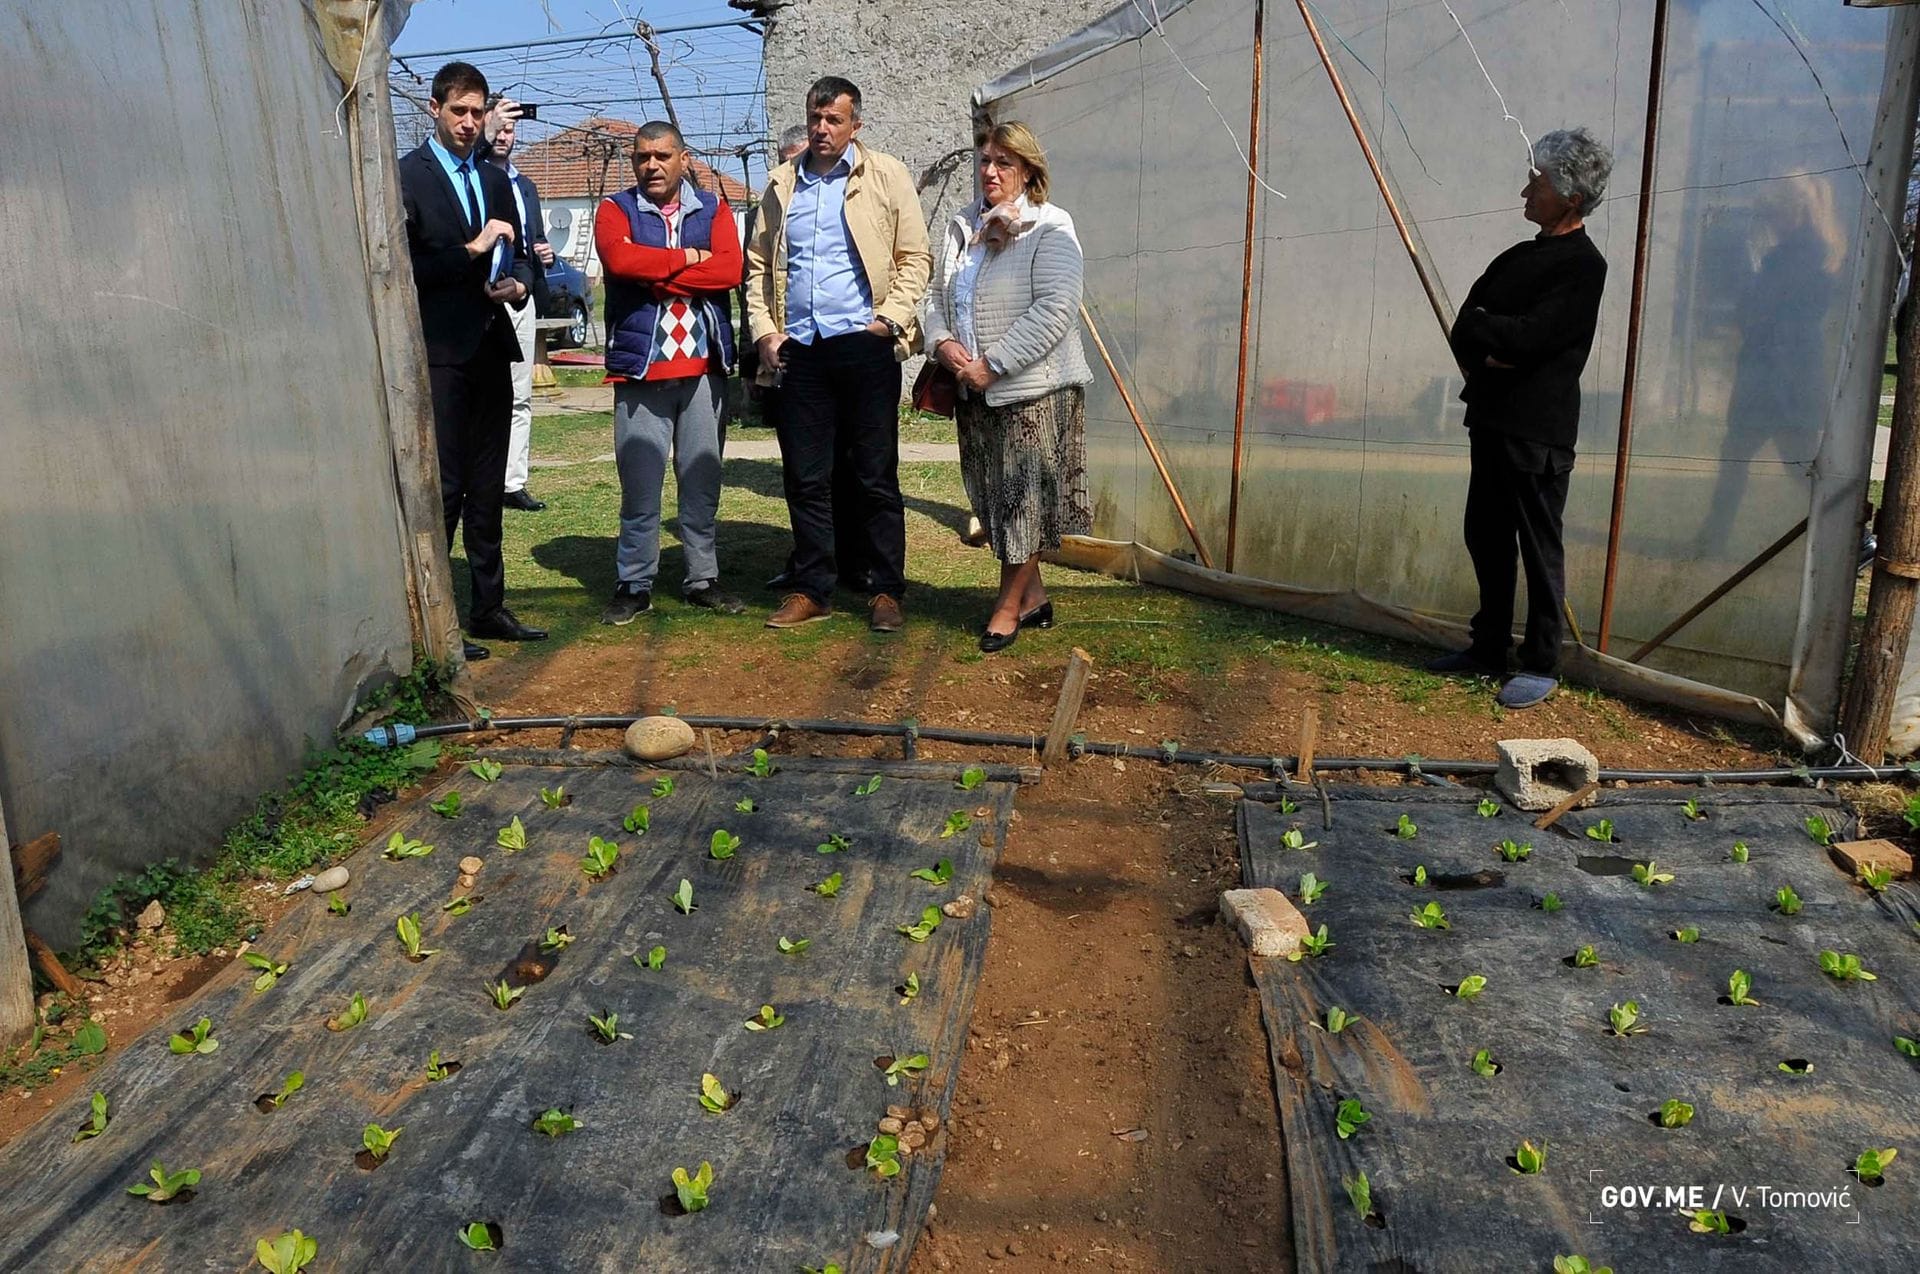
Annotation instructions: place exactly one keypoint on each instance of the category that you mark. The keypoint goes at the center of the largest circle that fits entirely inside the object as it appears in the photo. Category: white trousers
(520, 433)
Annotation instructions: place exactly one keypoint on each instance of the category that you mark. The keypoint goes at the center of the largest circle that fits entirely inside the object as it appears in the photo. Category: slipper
(1525, 690)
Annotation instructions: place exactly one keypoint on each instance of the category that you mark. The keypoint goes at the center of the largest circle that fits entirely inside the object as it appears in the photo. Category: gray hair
(1577, 163)
(793, 138)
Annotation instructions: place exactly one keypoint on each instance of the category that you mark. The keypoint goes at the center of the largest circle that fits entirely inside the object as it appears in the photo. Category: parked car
(569, 296)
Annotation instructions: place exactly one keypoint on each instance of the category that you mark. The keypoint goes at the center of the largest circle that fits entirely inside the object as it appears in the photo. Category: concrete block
(1538, 774)
(1268, 923)
(1851, 855)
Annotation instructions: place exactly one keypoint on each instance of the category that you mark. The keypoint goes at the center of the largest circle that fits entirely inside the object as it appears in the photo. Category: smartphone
(529, 110)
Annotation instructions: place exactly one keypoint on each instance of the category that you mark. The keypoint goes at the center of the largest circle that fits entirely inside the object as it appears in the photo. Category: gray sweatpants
(649, 417)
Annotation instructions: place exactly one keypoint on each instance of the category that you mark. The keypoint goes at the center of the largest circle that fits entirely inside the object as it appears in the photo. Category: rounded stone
(659, 738)
(331, 879)
(470, 866)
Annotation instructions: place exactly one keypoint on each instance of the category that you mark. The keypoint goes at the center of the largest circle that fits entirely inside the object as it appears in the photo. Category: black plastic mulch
(1437, 1147)
(809, 1091)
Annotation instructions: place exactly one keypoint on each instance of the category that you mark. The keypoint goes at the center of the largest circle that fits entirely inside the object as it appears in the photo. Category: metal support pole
(1623, 449)
(1246, 278)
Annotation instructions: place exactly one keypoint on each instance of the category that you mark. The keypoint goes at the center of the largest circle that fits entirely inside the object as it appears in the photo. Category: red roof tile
(590, 161)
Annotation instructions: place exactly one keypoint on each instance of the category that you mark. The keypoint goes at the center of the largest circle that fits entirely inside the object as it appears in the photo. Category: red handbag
(935, 389)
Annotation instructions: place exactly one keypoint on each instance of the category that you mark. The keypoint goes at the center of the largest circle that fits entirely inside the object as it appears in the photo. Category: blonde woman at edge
(1003, 315)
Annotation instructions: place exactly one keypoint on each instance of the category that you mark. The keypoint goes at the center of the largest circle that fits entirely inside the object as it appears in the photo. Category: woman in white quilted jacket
(1003, 315)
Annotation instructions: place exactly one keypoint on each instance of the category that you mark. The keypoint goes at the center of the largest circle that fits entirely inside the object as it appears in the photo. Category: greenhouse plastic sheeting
(1770, 274)
(1436, 1147)
(809, 1091)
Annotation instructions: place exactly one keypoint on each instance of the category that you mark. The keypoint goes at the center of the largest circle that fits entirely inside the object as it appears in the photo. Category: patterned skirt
(1025, 469)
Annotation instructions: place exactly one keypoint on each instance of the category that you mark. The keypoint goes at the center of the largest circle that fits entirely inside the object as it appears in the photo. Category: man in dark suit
(501, 128)
(462, 236)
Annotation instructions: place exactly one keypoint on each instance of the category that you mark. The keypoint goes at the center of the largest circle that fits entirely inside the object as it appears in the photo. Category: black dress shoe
(502, 626)
(524, 500)
(472, 652)
(1040, 616)
(991, 641)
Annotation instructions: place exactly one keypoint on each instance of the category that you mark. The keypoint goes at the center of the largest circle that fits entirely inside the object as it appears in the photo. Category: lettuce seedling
(692, 1189)
(911, 987)
(1294, 838)
(355, 1013)
(1487, 808)
(437, 1070)
(1469, 986)
(1289, 806)
(165, 1185)
(1483, 1064)
(883, 1155)
(835, 844)
(1360, 1194)
(556, 1123)
(288, 1253)
(762, 765)
(723, 845)
(654, 959)
(767, 1019)
(1348, 1118)
(556, 938)
(512, 837)
(1738, 987)
(1578, 1265)
(929, 921)
(554, 797)
(408, 929)
(398, 847)
(1875, 877)
(1601, 831)
(270, 970)
(1797, 1066)
(378, 1140)
(485, 770)
(1901, 1044)
(1675, 1113)
(663, 787)
(1786, 902)
(602, 857)
(447, 806)
(1692, 810)
(608, 1028)
(96, 1120)
(1739, 853)
(1338, 1019)
(1311, 888)
(292, 1084)
(1406, 828)
(477, 1236)
(1707, 1221)
(1845, 968)
(958, 821)
(683, 897)
(638, 820)
(745, 805)
(1419, 874)
(1431, 917)
(1649, 874)
(868, 788)
(1514, 851)
(460, 906)
(1586, 957)
(1819, 829)
(938, 874)
(1871, 1167)
(714, 1098)
(1689, 934)
(970, 778)
(1313, 944)
(339, 905)
(1528, 1160)
(907, 1068)
(794, 946)
(1623, 1019)
(829, 1268)
(503, 995)
(197, 1038)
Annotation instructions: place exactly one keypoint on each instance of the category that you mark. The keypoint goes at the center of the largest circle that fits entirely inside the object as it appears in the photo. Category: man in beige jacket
(836, 269)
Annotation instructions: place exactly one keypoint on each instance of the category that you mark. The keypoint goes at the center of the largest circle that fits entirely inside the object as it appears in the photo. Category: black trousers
(849, 550)
(472, 414)
(1516, 496)
(839, 433)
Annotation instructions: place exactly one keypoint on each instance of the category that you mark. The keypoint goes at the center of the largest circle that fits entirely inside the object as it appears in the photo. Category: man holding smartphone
(502, 125)
(468, 269)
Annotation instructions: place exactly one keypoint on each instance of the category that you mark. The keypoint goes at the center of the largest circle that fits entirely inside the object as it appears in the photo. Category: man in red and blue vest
(671, 254)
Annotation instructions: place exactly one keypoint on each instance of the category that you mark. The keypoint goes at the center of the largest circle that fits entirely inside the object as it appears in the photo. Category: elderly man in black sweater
(1521, 341)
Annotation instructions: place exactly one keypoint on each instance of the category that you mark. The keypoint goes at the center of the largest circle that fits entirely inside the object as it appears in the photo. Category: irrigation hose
(1274, 766)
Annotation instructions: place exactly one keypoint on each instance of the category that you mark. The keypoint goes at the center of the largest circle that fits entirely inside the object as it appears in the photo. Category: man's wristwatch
(892, 326)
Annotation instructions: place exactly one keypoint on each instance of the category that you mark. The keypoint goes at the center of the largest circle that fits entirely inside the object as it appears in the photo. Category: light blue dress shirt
(502, 250)
(827, 291)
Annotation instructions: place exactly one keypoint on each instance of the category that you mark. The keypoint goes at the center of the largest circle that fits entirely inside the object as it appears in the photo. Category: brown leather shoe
(797, 609)
(884, 614)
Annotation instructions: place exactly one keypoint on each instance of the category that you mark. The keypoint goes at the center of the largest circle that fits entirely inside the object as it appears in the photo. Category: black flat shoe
(502, 626)
(472, 652)
(991, 641)
(1040, 616)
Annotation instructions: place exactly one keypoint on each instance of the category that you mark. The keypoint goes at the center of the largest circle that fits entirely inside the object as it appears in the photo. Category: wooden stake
(52, 970)
(1073, 688)
(1309, 735)
(1554, 815)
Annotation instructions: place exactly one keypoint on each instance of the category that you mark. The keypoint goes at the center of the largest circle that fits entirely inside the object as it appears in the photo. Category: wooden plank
(51, 969)
(1554, 815)
(1073, 688)
(31, 863)
(16, 983)
(1309, 736)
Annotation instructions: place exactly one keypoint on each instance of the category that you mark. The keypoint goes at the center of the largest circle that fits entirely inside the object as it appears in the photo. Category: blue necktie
(473, 198)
